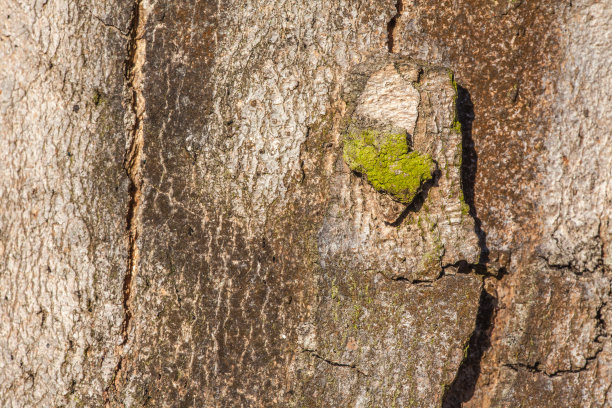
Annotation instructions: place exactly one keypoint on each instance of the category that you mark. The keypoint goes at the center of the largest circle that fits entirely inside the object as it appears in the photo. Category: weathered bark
(180, 226)
(64, 196)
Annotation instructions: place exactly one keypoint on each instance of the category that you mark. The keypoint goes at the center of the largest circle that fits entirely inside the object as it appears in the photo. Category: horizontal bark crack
(463, 268)
(334, 363)
(535, 368)
(122, 33)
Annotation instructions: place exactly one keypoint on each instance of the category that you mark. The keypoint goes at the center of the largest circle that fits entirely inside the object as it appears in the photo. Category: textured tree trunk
(312, 204)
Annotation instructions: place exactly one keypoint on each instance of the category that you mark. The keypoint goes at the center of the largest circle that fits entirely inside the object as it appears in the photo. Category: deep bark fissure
(463, 386)
(134, 158)
(469, 167)
(392, 27)
(132, 165)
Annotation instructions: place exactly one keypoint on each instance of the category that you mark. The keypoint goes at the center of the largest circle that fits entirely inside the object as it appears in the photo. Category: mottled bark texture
(178, 226)
(64, 197)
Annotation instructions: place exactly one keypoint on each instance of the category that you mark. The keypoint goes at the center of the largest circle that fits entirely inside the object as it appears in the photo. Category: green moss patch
(388, 164)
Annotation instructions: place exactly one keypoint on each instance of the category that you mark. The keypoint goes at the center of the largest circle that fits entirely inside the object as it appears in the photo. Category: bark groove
(133, 163)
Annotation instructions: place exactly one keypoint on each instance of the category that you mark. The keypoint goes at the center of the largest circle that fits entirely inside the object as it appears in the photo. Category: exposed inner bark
(133, 163)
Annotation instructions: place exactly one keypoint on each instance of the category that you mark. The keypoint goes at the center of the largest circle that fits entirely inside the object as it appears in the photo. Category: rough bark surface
(178, 226)
(64, 194)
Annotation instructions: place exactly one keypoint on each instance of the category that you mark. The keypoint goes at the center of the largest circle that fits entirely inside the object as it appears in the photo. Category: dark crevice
(132, 167)
(334, 363)
(418, 282)
(536, 368)
(302, 171)
(391, 26)
(419, 78)
(568, 267)
(469, 166)
(557, 266)
(463, 267)
(462, 388)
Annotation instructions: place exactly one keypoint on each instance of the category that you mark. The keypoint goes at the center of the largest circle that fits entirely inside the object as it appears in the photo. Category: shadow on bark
(419, 200)
(469, 166)
(462, 388)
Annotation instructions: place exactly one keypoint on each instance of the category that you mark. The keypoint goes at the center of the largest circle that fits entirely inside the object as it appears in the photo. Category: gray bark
(180, 224)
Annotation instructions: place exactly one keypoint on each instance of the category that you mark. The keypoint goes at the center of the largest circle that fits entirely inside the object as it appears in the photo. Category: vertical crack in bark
(134, 156)
(392, 27)
(132, 165)
(469, 166)
(462, 388)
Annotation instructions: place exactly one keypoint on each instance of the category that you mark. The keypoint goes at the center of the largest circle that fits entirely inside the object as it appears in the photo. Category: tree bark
(255, 203)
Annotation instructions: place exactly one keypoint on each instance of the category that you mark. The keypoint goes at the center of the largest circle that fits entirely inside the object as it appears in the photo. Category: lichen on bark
(387, 163)
(260, 270)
